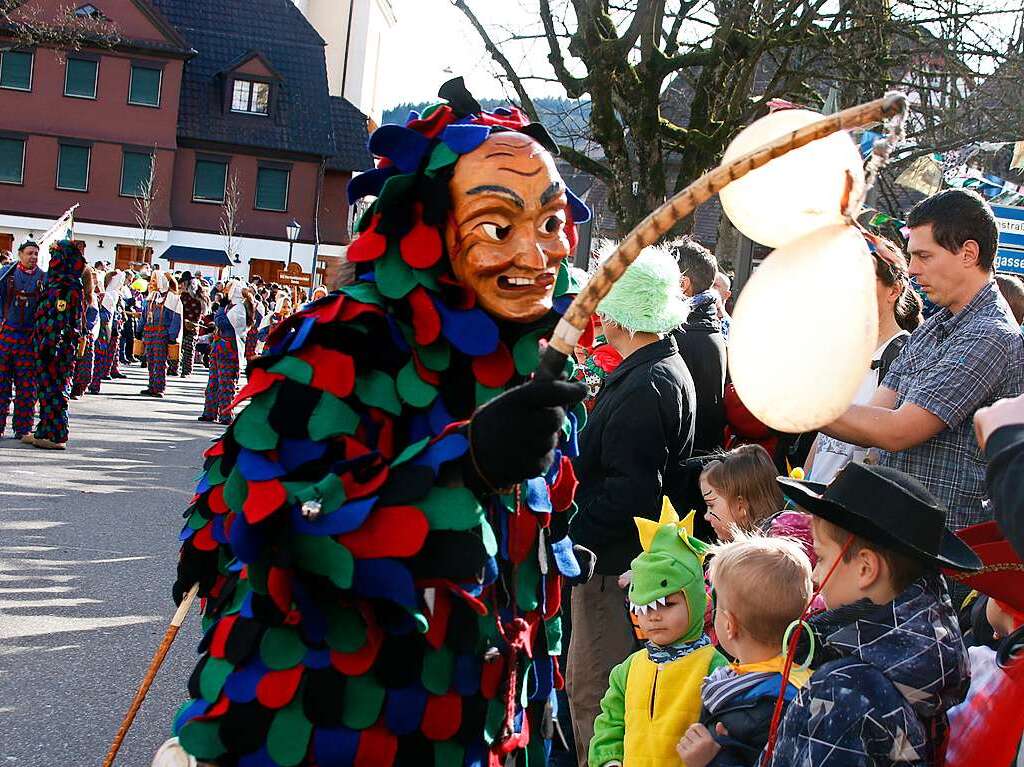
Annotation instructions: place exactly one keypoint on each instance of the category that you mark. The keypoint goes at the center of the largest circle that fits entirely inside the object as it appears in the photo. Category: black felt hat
(887, 507)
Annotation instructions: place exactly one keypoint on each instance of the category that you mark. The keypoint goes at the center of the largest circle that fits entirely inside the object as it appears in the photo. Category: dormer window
(90, 11)
(250, 97)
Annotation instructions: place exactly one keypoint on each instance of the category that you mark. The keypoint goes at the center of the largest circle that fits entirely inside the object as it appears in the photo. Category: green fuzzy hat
(672, 561)
(647, 298)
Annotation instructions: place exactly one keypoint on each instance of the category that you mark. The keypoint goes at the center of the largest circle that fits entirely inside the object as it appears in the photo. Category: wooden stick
(147, 680)
(652, 228)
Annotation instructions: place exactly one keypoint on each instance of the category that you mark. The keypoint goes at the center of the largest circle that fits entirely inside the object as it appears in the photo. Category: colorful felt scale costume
(19, 293)
(225, 363)
(109, 326)
(160, 327)
(363, 605)
(60, 322)
(654, 695)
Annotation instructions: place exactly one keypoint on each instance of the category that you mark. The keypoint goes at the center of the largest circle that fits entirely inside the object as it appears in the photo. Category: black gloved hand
(513, 437)
(587, 561)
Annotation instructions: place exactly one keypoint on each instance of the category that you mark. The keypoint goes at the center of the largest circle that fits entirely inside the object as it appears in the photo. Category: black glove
(587, 560)
(513, 437)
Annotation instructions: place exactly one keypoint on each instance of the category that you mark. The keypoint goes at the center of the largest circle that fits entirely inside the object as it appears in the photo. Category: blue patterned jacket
(883, 700)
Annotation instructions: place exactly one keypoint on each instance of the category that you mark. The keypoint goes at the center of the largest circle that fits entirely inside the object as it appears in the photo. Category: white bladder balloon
(804, 330)
(804, 190)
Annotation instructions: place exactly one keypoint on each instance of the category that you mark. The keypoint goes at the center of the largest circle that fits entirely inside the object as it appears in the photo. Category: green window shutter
(134, 173)
(145, 87)
(16, 70)
(272, 189)
(73, 168)
(210, 178)
(12, 160)
(81, 78)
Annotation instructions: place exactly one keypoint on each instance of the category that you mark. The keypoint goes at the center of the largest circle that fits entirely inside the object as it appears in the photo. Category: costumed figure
(382, 554)
(86, 358)
(160, 326)
(282, 311)
(20, 288)
(194, 304)
(132, 301)
(232, 323)
(655, 694)
(252, 334)
(60, 324)
(106, 342)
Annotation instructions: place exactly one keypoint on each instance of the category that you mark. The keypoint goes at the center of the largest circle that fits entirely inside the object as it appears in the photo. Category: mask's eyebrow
(551, 193)
(504, 191)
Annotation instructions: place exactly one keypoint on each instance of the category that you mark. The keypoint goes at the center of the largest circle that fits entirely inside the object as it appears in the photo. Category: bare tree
(68, 27)
(671, 82)
(145, 199)
(229, 219)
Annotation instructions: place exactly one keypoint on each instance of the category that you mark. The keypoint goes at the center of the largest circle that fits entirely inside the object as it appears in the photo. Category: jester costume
(375, 594)
(654, 695)
(19, 293)
(230, 324)
(160, 327)
(60, 323)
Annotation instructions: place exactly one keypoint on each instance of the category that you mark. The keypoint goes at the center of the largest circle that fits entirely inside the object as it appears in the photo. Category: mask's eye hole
(552, 224)
(495, 232)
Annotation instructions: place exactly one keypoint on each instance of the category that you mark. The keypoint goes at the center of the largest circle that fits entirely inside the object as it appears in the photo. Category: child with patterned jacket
(654, 695)
(892, 660)
(761, 588)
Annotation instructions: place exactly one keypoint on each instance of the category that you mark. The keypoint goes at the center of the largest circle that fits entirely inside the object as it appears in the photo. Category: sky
(433, 42)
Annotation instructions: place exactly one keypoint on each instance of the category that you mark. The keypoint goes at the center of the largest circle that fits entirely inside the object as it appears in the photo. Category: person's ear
(869, 568)
(894, 292)
(730, 626)
(970, 252)
(685, 283)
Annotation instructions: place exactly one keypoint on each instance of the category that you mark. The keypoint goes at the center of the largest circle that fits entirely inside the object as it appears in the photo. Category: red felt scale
(377, 747)
(368, 246)
(333, 371)
(564, 487)
(426, 322)
(495, 369)
(277, 688)
(442, 716)
(263, 499)
(421, 248)
(259, 381)
(390, 531)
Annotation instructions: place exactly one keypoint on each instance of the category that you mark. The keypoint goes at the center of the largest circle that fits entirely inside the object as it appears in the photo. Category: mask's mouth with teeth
(517, 282)
(643, 609)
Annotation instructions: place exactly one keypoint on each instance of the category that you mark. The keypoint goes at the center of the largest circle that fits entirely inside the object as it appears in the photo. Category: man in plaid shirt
(965, 356)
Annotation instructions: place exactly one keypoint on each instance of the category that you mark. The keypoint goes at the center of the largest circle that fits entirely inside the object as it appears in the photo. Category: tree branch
(574, 86)
(584, 163)
(524, 97)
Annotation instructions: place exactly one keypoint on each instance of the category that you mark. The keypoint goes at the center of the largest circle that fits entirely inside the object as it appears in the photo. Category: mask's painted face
(508, 235)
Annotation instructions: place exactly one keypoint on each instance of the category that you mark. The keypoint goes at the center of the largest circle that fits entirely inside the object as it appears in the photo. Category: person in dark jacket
(895, 663)
(1000, 432)
(639, 435)
(701, 343)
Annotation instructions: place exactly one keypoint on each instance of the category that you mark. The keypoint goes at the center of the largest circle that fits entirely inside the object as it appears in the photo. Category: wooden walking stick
(147, 680)
(575, 320)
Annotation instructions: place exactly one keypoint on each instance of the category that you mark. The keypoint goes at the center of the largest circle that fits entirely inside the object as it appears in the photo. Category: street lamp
(292, 233)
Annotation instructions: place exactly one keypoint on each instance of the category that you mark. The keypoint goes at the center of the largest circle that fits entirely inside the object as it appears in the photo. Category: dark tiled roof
(183, 254)
(221, 31)
(350, 137)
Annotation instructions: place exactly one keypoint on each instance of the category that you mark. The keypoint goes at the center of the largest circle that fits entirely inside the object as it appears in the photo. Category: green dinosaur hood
(672, 561)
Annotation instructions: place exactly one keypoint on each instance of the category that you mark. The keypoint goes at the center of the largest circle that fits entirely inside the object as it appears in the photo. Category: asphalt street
(88, 544)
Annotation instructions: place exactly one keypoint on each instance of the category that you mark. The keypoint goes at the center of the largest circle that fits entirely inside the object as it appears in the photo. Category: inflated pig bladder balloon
(803, 190)
(805, 329)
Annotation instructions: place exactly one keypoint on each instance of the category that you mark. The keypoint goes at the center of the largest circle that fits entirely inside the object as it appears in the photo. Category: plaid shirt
(953, 365)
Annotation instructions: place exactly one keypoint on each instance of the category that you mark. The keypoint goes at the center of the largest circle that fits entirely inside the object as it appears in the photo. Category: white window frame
(88, 168)
(31, 71)
(159, 86)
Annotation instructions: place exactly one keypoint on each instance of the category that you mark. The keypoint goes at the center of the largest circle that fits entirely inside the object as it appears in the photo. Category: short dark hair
(1013, 291)
(696, 262)
(28, 244)
(956, 216)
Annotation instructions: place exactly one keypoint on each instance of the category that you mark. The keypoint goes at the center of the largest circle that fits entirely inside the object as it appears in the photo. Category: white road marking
(38, 590)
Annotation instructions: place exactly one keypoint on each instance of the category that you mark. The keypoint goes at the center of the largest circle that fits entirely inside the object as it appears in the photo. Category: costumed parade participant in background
(383, 553)
(654, 695)
(282, 311)
(86, 357)
(160, 327)
(20, 288)
(232, 322)
(107, 341)
(259, 311)
(60, 323)
(194, 304)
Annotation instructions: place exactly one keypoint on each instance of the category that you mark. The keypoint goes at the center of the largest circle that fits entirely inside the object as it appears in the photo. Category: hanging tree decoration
(817, 258)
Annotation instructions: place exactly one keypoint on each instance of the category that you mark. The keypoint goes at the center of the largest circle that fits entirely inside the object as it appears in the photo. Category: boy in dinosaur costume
(654, 695)
(380, 536)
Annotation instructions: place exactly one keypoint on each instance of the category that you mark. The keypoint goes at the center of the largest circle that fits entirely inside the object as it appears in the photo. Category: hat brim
(953, 552)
